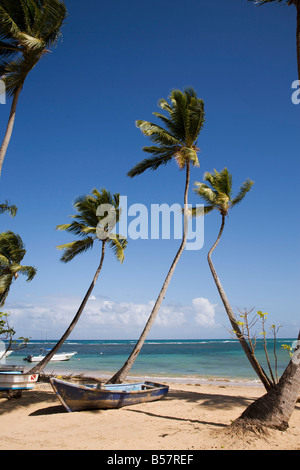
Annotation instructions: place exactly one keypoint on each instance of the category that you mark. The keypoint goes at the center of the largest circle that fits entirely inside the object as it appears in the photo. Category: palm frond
(157, 133)
(206, 193)
(151, 163)
(242, 192)
(28, 271)
(118, 245)
(12, 246)
(75, 248)
(7, 207)
(179, 137)
(27, 28)
(217, 193)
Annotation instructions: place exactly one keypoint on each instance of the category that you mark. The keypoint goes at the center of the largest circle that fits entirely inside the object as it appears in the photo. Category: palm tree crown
(87, 223)
(12, 251)
(179, 137)
(27, 29)
(218, 192)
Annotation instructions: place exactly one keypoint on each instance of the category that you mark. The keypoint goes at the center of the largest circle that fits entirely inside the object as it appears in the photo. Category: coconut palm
(91, 224)
(7, 207)
(296, 3)
(217, 194)
(28, 28)
(176, 141)
(12, 251)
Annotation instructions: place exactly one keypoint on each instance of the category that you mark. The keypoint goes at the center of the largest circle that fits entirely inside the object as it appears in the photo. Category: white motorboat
(57, 357)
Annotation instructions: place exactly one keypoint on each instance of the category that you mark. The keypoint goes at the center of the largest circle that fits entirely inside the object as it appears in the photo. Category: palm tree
(297, 5)
(217, 194)
(274, 409)
(28, 28)
(7, 207)
(12, 251)
(91, 226)
(178, 140)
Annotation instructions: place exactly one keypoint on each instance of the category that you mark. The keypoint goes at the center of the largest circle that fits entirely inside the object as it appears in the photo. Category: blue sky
(75, 130)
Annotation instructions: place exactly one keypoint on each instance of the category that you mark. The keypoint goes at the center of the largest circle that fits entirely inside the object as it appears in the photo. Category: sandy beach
(192, 417)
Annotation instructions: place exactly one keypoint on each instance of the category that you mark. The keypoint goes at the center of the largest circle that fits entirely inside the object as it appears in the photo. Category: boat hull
(78, 397)
(12, 380)
(56, 357)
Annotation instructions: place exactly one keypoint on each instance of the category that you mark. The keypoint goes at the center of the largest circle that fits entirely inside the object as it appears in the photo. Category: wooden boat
(17, 380)
(78, 397)
(56, 357)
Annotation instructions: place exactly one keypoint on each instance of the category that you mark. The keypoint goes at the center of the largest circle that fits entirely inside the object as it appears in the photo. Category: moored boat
(17, 380)
(78, 397)
(57, 357)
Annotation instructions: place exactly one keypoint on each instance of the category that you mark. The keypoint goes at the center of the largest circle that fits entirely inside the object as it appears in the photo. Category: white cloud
(205, 311)
(105, 318)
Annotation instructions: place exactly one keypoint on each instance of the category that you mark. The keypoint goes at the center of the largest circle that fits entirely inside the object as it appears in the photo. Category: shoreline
(187, 380)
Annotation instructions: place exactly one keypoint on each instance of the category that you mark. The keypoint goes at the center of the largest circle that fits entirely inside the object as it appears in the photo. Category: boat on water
(66, 356)
(79, 397)
(17, 380)
(5, 354)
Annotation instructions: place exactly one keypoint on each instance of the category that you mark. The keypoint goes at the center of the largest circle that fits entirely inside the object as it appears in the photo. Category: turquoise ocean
(189, 361)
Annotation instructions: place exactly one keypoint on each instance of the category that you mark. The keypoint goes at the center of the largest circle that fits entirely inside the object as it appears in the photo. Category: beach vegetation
(27, 30)
(175, 141)
(86, 224)
(7, 207)
(7, 333)
(12, 252)
(272, 410)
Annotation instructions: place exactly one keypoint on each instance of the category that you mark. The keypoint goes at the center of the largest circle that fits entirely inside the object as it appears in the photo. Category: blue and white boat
(78, 397)
(17, 380)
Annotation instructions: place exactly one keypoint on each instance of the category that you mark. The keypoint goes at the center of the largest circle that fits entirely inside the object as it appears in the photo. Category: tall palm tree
(217, 194)
(12, 251)
(296, 3)
(177, 140)
(91, 226)
(28, 28)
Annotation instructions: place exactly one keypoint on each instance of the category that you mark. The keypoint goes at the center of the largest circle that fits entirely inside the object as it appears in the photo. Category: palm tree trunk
(42, 364)
(256, 366)
(275, 408)
(10, 125)
(122, 373)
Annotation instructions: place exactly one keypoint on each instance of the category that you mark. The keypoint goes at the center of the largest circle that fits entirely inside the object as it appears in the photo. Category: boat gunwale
(152, 386)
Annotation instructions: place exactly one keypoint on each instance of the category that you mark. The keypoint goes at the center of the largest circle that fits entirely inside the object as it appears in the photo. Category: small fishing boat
(57, 357)
(17, 380)
(78, 397)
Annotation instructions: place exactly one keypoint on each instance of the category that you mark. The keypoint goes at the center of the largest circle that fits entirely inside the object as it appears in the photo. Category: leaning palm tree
(96, 216)
(296, 3)
(176, 141)
(12, 251)
(217, 194)
(28, 28)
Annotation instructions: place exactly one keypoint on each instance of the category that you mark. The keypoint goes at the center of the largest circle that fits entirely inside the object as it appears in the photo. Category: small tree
(7, 333)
